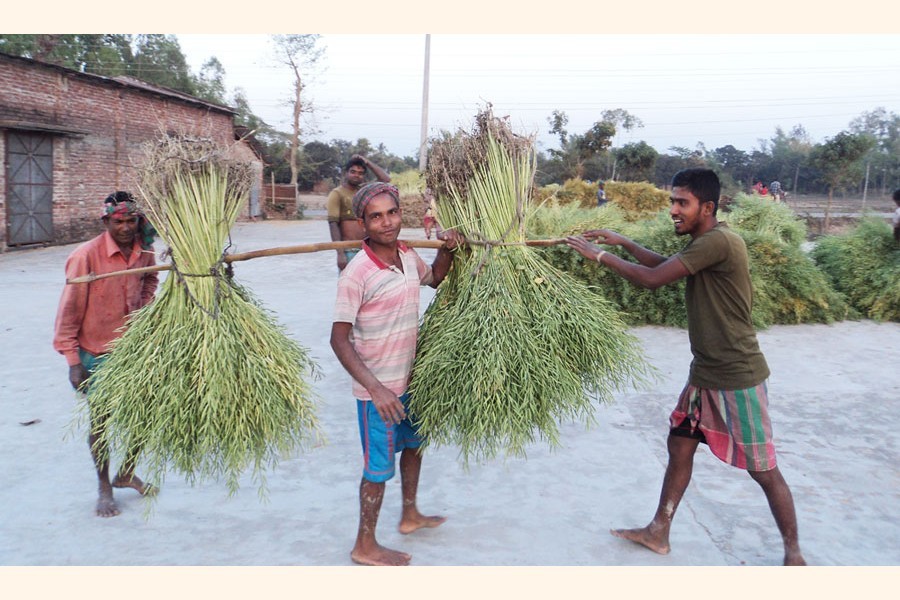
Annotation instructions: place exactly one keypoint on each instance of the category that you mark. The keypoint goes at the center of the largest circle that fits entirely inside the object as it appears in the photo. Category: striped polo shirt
(382, 304)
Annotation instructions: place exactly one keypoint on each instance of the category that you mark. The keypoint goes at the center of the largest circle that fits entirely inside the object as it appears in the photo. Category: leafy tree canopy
(839, 158)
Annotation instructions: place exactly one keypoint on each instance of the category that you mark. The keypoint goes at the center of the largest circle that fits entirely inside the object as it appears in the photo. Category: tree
(596, 140)
(549, 169)
(210, 83)
(732, 166)
(618, 119)
(158, 59)
(299, 52)
(884, 157)
(577, 152)
(318, 161)
(676, 159)
(278, 158)
(790, 153)
(636, 161)
(563, 162)
(153, 58)
(839, 159)
(106, 54)
(275, 144)
(558, 121)
(246, 117)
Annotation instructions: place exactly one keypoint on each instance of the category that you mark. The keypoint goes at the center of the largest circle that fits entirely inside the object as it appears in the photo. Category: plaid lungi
(734, 423)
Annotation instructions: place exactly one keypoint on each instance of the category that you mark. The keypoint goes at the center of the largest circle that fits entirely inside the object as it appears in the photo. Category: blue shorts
(381, 442)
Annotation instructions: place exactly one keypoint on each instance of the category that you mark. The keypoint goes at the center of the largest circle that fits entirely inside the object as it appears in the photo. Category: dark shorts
(90, 362)
(684, 429)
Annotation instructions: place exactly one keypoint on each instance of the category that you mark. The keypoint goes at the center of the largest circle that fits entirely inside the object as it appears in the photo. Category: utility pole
(866, 187)
(423, 138)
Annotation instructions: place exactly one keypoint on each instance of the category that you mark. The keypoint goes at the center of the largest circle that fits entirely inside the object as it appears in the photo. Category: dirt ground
(834, 390)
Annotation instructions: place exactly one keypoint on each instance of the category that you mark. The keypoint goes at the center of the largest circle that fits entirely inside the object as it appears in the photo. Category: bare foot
(419, 521)
(106, 506)
(794, 559)
(379, 556)
(643, 537)
(134, 482)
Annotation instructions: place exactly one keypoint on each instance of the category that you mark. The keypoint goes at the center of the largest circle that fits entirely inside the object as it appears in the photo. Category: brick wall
(105, 125)
(2, 190)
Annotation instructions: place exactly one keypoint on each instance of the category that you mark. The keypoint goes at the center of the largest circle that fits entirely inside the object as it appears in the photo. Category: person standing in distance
(342, 223)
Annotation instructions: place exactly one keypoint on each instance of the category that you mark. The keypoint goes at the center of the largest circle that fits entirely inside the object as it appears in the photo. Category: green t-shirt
(340, 204)
(719, 298)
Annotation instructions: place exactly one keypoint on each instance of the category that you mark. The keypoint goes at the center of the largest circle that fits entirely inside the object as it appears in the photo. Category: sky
(686, 89)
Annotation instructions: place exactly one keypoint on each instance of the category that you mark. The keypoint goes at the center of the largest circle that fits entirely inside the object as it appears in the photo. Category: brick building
(68, 139)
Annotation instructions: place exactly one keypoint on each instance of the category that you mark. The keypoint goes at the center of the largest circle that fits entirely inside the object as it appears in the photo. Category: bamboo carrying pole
(304, 249)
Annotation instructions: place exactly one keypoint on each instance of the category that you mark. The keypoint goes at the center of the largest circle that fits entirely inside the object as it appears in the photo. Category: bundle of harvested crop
(864, 264)
(204, 380)
(510, 345)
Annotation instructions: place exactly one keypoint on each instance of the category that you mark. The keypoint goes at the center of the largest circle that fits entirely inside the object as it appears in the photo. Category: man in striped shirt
(724, 403)
(376, 321)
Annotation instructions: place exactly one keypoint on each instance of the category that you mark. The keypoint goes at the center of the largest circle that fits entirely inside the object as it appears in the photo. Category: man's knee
(767, 478)
(682, 448)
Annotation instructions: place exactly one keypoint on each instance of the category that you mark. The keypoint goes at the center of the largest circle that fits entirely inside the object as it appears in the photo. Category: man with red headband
(91, 315)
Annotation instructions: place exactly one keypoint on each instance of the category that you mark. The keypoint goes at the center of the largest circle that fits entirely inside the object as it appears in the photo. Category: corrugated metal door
(29, 213)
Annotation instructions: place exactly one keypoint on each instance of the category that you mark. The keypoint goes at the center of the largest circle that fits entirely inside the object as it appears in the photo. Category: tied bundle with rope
(510, 345)
(204, 380)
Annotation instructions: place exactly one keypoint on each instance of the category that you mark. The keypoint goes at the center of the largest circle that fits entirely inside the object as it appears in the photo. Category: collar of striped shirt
(380, 263)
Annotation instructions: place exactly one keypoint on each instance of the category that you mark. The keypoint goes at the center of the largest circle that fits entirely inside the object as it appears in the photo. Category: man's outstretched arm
(662, 273)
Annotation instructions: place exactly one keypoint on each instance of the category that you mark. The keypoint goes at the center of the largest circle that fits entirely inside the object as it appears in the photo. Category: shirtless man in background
(342, 223)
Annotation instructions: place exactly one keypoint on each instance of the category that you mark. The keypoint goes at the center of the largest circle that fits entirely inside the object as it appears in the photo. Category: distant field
(817, 204)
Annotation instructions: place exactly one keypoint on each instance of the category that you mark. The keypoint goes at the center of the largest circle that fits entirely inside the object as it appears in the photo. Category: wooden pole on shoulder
(300, 249)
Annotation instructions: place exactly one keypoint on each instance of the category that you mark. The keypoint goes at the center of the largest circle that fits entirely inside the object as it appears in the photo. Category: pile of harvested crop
(864, 264)
(637, 305)
(510, 345)
(751, 212)
(788, 288)
(637, 200)
(204, 380)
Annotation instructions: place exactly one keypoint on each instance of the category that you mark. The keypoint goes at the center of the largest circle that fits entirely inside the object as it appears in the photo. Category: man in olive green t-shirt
(724, 403)
(342, 223)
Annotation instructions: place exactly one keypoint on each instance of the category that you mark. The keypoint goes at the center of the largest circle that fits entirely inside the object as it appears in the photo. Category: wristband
(599, 256)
